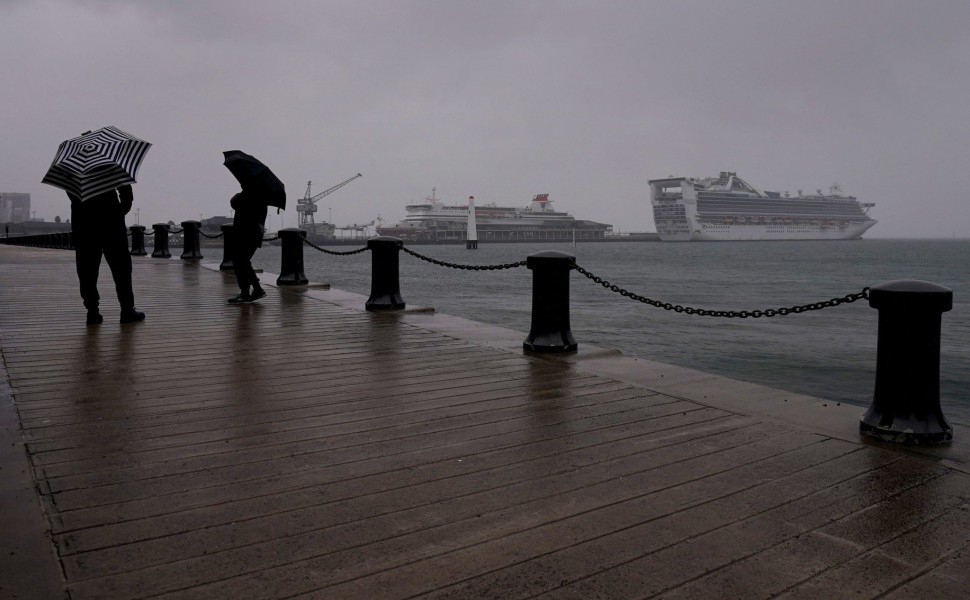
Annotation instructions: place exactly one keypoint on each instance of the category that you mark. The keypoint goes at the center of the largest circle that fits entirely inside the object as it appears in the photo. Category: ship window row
(836, 206)
(774, 196)
(670, 212)
(769, 221)
(819, 209)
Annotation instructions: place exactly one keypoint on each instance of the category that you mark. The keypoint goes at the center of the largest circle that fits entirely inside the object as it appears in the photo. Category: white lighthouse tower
(471, 240)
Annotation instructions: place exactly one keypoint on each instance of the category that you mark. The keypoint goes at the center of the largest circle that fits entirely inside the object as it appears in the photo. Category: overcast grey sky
(585, 101)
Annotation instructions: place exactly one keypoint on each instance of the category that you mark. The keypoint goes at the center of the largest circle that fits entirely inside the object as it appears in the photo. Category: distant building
(323, 230)
(214, 224)
(14, 207)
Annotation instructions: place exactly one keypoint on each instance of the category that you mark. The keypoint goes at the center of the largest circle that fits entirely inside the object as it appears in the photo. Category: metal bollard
(906, 401)
(227, 250)
(550, 303)
(385, 287)
(137, 240)
(161, 241)
(291, 267)
(191, 244)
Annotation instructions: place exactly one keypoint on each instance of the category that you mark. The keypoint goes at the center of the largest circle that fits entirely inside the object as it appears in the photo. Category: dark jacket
(106, 211)
(249, 220)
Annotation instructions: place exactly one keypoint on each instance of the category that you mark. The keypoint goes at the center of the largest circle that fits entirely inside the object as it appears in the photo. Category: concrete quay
(301, 447)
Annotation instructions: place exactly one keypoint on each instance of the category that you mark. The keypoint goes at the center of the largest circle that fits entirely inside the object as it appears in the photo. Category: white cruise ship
(436, 221)
(727, 208)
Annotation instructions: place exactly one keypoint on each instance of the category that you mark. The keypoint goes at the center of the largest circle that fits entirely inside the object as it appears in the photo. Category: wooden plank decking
(303, 448)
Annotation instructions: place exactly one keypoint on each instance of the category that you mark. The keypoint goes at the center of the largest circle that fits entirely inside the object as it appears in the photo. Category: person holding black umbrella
(248, 225)
(260, 190)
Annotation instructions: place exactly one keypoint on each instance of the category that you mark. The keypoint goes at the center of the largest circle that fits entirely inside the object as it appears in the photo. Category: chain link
(742, 314)
(172, 231)
(211, 237)
(149, 234)
(466, 267)
(271, 239)
(334, 252)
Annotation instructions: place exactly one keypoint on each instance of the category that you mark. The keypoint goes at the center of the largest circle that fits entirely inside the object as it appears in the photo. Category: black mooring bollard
(291, 267)
(906, 401)
(385, 286)
(227, 250)
(161, 241)
(550, 303)
(138, 240)
(191, 244)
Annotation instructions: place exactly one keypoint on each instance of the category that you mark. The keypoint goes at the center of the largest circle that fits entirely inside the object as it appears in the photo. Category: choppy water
(829, 353)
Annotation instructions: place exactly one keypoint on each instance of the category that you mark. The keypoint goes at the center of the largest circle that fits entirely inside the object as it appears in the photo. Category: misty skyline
(585, 101)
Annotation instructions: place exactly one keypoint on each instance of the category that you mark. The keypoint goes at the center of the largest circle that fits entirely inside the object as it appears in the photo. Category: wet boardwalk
(303, 448)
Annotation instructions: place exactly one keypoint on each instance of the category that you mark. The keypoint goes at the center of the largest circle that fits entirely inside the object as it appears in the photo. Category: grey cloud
(585, 101)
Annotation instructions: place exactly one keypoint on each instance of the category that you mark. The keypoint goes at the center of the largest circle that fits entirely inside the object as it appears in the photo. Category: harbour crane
(307, 205)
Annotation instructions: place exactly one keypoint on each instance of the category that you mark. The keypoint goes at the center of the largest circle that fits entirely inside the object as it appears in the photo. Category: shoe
(240, 299)
(130, 315)
(94, 318)
(257, 294)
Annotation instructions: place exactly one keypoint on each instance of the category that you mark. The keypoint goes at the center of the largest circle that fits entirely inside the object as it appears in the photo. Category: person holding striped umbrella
(97, 170)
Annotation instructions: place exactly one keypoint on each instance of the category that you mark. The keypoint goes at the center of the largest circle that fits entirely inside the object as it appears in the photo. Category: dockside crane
(307, 205)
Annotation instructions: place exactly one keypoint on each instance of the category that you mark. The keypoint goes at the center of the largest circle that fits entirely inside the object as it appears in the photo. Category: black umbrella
(255, 177)
(96, 162)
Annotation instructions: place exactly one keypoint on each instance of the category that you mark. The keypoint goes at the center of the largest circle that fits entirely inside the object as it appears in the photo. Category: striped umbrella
(96, 162)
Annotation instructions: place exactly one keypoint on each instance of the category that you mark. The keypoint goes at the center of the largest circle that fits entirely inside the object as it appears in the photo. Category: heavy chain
(467, 267)
(742, 314)
(334, 252)
(173, 232)
(271, 239)
(211, 237)
(149, 234)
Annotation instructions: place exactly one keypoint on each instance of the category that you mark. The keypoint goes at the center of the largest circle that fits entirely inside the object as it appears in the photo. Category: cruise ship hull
(740, 233)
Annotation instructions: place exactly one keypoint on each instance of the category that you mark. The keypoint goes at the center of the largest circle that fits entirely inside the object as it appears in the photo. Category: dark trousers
(243, 251)
(112, 242)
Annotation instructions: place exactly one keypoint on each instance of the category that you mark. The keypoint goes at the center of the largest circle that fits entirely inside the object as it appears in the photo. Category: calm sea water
(830, 353)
